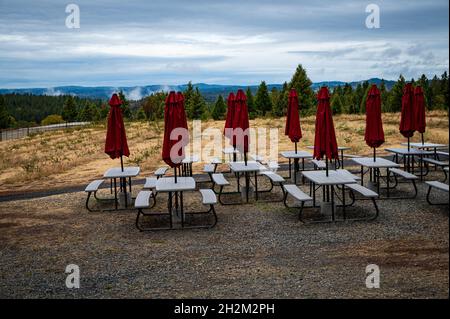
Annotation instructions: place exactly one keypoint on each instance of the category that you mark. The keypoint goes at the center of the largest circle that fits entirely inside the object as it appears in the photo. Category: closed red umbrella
(228, 129)
(174, 119)
(407, 120)
(241, 124)
(325, 137)
(419, 109)
(292, 128)
(116, 140)
(374, 135)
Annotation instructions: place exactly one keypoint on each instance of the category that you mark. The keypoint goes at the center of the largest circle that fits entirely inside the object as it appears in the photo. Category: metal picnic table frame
(374, 170)
(116, 173)
(340, 162)
(328, 185)
(296, 156)
(239, 168)
(408, 158)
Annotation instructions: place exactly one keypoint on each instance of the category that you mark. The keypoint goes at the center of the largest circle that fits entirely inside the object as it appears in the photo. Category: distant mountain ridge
(210, 91)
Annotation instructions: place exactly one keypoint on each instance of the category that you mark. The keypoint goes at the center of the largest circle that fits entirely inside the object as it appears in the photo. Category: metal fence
(10, 134)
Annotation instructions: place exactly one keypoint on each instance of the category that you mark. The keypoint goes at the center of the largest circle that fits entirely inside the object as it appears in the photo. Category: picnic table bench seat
(318, 164)
(160, 172)
(90, 189)
(439, 186)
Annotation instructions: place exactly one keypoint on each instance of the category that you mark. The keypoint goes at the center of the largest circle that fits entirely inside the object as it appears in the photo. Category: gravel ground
(259, 250)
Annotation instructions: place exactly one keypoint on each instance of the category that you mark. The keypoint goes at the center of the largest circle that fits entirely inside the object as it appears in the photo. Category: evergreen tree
(250, 104)
(89, 113)
(348, 99)
(141, 115)
(384, 94)
(196, 106)
(189, 92)
(336, 102)
(219, 109)
(424, 83)
(263, 104)
(282, 102)
(275, 96)
(394, 103)
(126, 111)
(444, 89)
(4, 116)
(154, 106)
(302, 84)
(70, 110)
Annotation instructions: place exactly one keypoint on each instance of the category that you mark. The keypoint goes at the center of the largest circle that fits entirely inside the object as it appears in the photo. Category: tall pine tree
(302, 84)
(251, 104)
(263, 104)
(394, 103)
(219, 109)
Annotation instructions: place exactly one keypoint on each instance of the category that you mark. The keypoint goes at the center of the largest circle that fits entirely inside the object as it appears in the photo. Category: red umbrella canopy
(240, 121)
(116, 140)
(292, 128)
(325, 136)
(374, 135)
(419, 109)
(230, 115)
(174, 119)
(407, 120)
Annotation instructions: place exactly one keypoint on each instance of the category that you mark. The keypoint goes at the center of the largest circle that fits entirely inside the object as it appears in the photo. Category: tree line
(20, 110)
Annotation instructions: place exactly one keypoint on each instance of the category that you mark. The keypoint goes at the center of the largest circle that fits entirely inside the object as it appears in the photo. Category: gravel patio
(255, 251)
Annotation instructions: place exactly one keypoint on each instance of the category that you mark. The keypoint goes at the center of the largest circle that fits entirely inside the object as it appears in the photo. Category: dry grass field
(73, 157)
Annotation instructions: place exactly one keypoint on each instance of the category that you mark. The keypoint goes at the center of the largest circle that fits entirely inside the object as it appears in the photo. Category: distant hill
(209, 91)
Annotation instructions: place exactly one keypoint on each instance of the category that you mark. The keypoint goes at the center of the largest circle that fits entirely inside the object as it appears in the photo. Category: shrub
(52, 119)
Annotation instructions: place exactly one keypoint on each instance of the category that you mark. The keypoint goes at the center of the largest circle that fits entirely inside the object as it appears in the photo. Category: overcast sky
(121, 43)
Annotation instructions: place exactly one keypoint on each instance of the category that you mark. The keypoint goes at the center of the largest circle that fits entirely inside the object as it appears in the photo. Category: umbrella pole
(295, 147)
(423, 141)
(408, 144)
(121, 162)
(234, 153)
(175, 170)
(326, 164)
(122, 183)
(374, 154)
(245, 158)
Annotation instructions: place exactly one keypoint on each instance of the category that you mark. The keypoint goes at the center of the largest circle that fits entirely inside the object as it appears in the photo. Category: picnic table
(253, 168)
(186, 164)
(374, 167)
(341, 149)
(127, 173)
(408, 157)
(296, 156)
(428, 147)
(328, 183)
(168, 185)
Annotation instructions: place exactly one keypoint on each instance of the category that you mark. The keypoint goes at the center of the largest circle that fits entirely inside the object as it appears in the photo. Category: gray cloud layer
(228, 41)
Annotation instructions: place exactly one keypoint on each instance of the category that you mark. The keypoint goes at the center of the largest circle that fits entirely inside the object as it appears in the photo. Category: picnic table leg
(333, 218)
(124, 181)
(362, 175)
(115, 192)
(238, 182)
(303, 169)
(314, 193)
(246, 185)
(256, 185)
(387, 182)
(343, 202)
(295, 170)
(421, 167)
(181, 209)
(290, 173)
(377, 179)
(129, 182)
